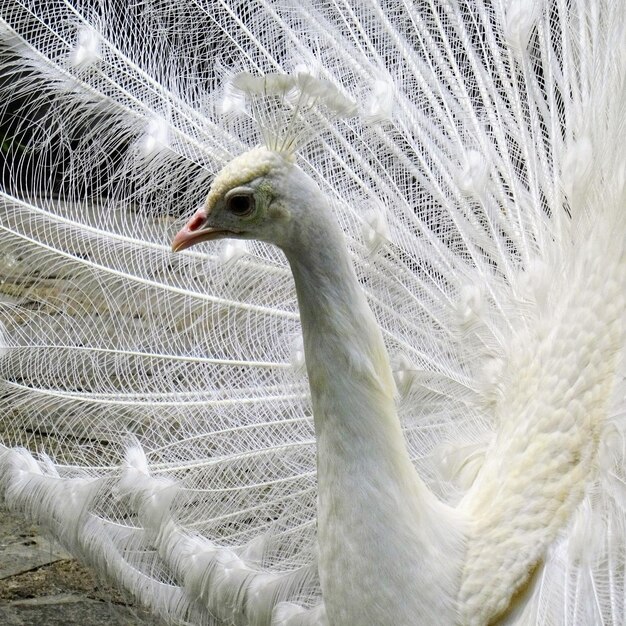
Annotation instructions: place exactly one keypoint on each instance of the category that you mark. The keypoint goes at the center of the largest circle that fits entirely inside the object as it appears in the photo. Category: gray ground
(40, 585)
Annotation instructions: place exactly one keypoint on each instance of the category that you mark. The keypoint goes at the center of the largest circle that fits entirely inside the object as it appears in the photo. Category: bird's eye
(240, 205)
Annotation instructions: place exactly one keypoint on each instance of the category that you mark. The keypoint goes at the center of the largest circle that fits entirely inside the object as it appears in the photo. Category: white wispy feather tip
(576, 169)
(86, 52)
(379, 107)
(156, 137)
(232, 250)
(297, 354)
(375, 229)
(135, 459)
(521, 17)
(474, 174)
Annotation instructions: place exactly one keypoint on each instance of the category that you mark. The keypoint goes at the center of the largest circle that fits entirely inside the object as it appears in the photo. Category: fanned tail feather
(156, 418)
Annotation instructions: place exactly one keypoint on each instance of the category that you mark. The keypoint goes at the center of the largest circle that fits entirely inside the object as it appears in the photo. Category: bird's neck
(352, 386)
(375, 516)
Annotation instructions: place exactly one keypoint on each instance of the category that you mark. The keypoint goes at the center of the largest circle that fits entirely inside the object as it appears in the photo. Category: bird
(313, 313)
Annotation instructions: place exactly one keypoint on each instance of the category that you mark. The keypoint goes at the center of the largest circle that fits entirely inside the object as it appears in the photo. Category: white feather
(156, 418)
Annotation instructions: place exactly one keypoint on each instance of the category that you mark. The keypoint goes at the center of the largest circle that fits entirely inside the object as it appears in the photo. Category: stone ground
(41, 585)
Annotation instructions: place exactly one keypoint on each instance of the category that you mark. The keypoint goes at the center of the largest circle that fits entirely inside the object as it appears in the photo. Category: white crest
(290, 108)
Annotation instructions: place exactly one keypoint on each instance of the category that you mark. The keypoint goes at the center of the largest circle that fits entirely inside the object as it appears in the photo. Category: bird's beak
(195, 231)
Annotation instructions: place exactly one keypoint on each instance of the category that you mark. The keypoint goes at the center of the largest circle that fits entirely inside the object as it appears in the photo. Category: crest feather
(291, 108)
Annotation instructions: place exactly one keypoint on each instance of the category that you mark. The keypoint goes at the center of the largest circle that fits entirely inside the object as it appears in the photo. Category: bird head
(251, 198)
(262, 194)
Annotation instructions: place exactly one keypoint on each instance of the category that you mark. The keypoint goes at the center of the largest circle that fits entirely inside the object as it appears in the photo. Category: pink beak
(192, 232)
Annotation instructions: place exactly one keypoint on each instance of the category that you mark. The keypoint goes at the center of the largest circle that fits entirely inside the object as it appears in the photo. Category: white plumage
(461, 456)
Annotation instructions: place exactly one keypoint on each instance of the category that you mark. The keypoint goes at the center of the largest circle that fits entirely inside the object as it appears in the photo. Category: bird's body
(462, 458)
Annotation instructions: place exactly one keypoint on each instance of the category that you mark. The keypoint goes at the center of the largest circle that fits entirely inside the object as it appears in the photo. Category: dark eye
(240, 205)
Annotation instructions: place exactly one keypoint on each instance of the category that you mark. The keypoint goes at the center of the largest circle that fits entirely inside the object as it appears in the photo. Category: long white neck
(382, 535)
(351, 381)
